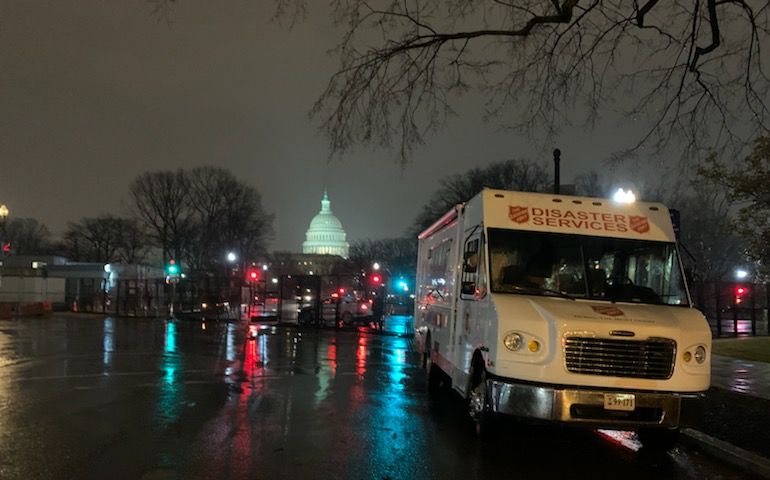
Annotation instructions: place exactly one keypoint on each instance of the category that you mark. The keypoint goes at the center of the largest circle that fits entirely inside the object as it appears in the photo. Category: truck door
(470, 327)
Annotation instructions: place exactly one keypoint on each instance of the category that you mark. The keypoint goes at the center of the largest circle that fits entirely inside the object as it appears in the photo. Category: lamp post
(234, 270)
(3, 216)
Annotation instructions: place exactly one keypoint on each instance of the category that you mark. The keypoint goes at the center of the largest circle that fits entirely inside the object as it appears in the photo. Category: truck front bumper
(583, 406)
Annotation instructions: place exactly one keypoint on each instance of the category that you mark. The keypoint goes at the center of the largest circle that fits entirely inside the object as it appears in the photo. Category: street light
(3, 216)
(231, 257)
(623, 196)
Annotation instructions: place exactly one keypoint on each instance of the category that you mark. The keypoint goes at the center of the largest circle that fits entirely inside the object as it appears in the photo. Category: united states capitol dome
(325, 235)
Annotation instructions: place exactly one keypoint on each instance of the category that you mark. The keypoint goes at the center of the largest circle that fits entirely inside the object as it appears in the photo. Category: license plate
(619, 401)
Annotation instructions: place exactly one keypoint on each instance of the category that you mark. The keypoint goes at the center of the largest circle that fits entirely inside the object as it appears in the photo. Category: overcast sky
(93, 93)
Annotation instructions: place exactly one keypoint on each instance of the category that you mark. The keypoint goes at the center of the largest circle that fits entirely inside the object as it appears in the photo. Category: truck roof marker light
(577, 202)
(557, 200)
(596, 204)
(654, 209)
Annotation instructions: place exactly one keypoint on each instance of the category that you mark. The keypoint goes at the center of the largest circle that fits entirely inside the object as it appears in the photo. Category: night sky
(93, 93)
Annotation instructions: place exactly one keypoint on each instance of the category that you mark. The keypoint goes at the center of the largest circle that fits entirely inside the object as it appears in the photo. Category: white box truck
(561, 309)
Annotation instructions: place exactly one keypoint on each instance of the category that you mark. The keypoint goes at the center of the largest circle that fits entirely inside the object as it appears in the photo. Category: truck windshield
(596, 268)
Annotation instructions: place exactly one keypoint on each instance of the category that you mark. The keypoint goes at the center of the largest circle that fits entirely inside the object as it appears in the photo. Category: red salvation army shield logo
(639, 224)
(610, 311)
(518, 214)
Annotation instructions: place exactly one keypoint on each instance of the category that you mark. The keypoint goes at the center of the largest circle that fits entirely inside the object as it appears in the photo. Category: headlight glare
(512, 341)
(700, 354)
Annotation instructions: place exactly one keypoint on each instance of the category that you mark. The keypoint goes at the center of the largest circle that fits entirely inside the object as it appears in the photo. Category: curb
(738, 457)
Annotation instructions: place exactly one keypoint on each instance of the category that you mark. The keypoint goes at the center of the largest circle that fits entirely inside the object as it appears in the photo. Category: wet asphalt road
(94, 397)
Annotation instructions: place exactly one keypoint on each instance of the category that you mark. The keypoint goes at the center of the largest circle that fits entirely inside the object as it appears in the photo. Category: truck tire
(435, 380)
(426, 360)
(432, 371)
(478, 408)
(658, 439)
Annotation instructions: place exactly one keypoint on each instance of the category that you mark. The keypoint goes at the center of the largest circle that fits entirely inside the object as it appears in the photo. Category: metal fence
(734, 308)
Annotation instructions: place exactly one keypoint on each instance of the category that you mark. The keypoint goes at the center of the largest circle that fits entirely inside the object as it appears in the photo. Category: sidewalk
(736, 413)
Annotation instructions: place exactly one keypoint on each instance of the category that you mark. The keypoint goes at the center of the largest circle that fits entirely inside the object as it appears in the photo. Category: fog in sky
(93, 93)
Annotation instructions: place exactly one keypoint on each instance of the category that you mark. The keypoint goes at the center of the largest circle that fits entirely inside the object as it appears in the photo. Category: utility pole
(556, 179)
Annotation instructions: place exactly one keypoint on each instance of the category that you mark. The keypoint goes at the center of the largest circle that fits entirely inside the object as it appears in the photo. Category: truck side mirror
(468, 288)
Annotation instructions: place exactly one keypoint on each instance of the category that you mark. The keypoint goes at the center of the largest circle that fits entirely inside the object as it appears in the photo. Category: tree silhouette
(692, 72)
(521, 175)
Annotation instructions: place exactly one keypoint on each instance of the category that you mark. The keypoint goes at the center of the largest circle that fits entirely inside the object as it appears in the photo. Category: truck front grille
(652, 358)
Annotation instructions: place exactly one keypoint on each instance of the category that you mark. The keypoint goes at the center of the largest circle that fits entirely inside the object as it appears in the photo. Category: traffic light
(740, 292)
(172, 269)
(376, 278)
(252, 275)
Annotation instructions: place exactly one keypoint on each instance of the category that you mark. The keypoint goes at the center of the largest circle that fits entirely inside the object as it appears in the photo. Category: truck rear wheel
(426, 360)
(432, 371)
(435, 380)
(658, 439)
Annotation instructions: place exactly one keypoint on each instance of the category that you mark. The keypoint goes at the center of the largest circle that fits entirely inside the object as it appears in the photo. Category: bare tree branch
(683, 73)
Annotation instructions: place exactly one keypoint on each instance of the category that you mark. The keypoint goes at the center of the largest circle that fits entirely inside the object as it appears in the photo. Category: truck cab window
(470, 274)
(598, 268)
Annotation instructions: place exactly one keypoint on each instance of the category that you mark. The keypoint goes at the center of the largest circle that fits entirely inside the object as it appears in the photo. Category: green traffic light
(172, 268)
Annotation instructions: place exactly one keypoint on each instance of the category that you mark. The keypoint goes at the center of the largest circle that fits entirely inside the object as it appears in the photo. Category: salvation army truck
(561, 309)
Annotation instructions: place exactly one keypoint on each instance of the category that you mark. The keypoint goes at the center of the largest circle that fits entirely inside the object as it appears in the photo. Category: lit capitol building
(325, 235)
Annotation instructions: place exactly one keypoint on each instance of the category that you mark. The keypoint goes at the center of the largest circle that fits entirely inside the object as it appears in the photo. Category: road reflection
(108, 339)
(397, 434)
(171, 388)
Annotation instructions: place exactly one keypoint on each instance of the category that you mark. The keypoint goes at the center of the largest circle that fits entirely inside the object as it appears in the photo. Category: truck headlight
(700, 354)
(512, 341)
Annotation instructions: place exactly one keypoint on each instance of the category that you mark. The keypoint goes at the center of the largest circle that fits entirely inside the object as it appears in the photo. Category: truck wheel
(435, 377)
(426, 360)
(477, 396)
(658, 439)
(432, 371)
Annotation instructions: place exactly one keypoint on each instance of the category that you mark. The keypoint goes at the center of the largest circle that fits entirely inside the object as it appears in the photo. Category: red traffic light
(253, 275)
(740, 291)
(376, 278)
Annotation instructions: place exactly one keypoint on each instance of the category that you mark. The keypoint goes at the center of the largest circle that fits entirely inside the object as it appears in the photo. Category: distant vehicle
(265, 307)
(339, 310)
